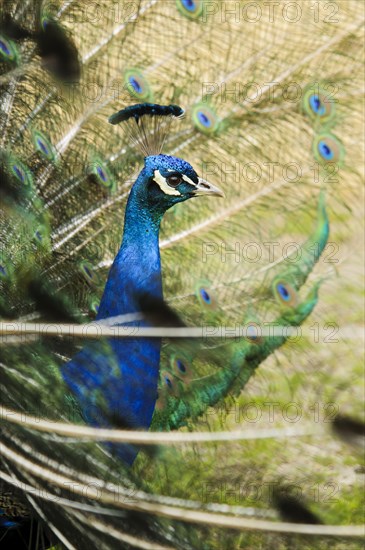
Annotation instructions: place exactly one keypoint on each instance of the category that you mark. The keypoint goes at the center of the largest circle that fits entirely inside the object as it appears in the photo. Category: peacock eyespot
(38, 235)
(6, 270)
(285, 293)
(205, 296)
(101, 174)
(43, 145)
(45, 22)
(8, 49)
(41, 235)
(180, 365)
(18, 173)
(137, 84)
(4, 48)
(327, 148)
(205, 119)
(318, 105)
(253, 331)
(174, 181)
(189, 4)
(87, 270)
(190, 8)
(169, 384)
(21, 172)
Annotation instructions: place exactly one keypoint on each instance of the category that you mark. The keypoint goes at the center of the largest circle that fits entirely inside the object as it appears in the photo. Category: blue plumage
(116, 384)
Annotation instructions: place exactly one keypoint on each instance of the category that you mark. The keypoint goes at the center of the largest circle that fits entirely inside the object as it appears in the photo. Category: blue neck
(115, 382)
(137, 266)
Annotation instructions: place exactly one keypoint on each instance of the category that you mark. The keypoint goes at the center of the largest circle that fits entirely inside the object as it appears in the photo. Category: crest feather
(148, 124)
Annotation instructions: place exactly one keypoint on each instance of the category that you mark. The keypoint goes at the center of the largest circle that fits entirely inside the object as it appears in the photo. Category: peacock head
(164, 180)
(168, 180)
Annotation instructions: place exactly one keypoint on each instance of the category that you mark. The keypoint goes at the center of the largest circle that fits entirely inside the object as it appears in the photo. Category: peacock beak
(203, 187)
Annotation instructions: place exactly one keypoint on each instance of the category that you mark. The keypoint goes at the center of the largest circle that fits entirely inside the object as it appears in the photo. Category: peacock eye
(174, 181)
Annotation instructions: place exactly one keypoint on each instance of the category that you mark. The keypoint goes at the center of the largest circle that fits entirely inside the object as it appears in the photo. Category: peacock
(152, 368)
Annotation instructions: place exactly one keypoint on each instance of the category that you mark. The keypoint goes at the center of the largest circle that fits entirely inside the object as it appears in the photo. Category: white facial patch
(164, 186)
